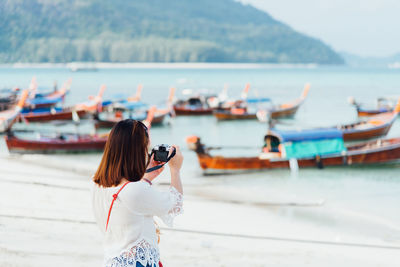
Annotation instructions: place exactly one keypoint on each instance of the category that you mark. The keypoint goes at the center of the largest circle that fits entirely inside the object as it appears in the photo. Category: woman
(124, 201)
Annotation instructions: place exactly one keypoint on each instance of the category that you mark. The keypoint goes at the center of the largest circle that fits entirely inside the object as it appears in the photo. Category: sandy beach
(46, 220)
(287, 114)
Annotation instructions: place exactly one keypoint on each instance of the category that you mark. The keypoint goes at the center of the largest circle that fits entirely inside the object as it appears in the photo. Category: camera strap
(162, 165)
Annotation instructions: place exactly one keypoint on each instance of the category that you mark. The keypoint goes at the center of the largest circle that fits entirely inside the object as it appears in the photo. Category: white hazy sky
(362, 27)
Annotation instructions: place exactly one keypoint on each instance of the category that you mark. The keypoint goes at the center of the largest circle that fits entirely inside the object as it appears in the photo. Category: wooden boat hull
(388, 151)
(46, 105)
(53, 145)
(384, 105)
(284, 112)
(367, 133)
(158, 119)
(228, 115)
(376, 126)
(370, 112)
(188, 111)
(104, 123)
(6, 123)
(48, 116)
(275, 114)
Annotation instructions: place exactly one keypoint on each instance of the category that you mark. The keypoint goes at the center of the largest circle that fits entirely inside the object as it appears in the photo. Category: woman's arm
(175, 165)
(148, 201)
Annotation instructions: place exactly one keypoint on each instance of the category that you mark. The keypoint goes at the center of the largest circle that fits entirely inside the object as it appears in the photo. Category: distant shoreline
(81, 66)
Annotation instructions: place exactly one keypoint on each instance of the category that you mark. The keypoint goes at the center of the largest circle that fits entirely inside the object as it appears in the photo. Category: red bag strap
(112, 203)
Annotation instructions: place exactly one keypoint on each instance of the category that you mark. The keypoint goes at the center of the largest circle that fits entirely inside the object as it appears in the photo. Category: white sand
(46, 220)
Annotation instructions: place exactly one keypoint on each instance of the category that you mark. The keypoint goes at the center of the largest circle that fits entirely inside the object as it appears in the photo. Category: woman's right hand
(175, 163)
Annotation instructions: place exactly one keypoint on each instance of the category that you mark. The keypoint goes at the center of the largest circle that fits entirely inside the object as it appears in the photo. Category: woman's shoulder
(135, 189)
(130, 186)
(139, 185)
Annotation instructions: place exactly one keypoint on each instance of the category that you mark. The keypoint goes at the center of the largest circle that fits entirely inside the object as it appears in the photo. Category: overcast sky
(363, 27)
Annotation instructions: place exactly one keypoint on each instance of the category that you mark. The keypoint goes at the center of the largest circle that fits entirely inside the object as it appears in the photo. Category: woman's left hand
(153, 175)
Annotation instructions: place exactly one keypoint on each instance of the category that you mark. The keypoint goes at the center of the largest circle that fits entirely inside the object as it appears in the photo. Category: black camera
(161, 152)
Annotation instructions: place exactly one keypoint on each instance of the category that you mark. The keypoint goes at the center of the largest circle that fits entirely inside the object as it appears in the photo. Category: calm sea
(367, 193)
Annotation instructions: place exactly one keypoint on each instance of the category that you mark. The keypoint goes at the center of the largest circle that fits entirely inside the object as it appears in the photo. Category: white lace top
(131, 235)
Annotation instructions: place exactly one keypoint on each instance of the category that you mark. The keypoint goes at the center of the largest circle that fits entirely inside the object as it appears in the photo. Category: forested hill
(150, 31)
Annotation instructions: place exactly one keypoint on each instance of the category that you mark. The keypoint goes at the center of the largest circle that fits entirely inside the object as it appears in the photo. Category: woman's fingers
(153, 163)
(176, 161)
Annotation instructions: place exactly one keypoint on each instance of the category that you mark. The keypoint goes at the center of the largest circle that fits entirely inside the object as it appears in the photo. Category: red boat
(62, 143)
(192, 110)
(206, 104)
(194, 105)
(50, 114)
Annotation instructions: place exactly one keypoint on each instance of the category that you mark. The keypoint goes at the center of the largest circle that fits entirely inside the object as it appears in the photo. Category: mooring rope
(189, 231)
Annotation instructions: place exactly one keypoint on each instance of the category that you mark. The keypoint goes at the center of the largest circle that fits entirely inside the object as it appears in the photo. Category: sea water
(343, 196)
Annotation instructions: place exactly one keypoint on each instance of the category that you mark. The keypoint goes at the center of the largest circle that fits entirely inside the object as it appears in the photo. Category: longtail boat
(48, 100)
(193, 105)
(9, 116)
(375, 126)
(160, 113)
(383, 105)
(132, 108)
(122, 98)
(8, 97)
(109, 122)
(223, 102)
(61, 142)
(242, 111)
(51, 114)
(54, 113)
(301, 149)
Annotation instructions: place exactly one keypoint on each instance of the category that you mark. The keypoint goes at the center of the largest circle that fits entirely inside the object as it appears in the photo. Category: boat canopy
(308, 143)
(106, 103)
(130, 105)
(115, 98)
(41, 110)
(194, 101)
(258, 100)
(380, 110)
(307, 135)
(44, 100)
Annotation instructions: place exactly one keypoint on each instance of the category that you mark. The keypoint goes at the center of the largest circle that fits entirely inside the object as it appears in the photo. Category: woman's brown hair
(125, 154)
